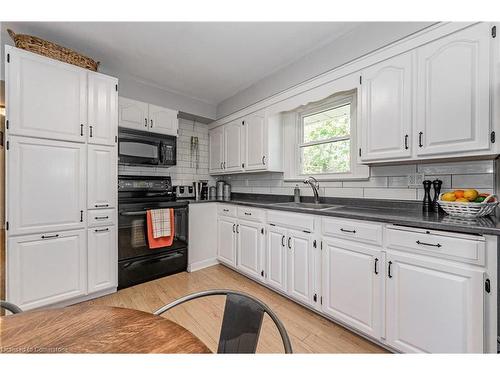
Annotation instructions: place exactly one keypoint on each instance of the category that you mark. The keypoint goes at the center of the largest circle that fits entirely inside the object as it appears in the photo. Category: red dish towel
(155, 243)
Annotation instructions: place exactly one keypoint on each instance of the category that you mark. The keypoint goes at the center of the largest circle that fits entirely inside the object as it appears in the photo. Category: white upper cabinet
(353, 277)
(102, 177)
(255, 143)
(433, 306)
(102, 109)
(46, 268)
(163, 120)
(46, 184)
(453, 93)
(232, 147)
(386, 109)
(132, 114)
(138, 115)
(102, 259)
(45, 98)
(216, 150)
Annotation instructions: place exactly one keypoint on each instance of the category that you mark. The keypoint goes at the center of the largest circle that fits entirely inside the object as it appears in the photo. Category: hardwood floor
(309, 332)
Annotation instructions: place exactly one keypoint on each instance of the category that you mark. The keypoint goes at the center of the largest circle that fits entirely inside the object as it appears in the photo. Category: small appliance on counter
(220, 189)
(227, 192)
(184, 192)
(200, 190)
(212, 192)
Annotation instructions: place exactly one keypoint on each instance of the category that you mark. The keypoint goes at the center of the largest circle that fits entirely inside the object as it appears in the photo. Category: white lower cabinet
(433, 306)
(300, 266)
(102, 259)
(276, 258)
(45, 269)
(226, 251)
(352, 285)
(249, 247)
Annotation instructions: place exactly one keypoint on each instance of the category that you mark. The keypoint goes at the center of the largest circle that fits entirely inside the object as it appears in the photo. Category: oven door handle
(132, 213)
(137, 263)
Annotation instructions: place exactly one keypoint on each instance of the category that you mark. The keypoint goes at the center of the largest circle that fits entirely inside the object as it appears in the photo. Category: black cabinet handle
(151, 122)
(81, 130)
(264, 160)
(248, 213)
(52, 236)
(101, 230)
(101, 205)
(389, 270)
(262, 273)
(347, 230)
(146, 122)
(81, 216)
(376, 266)
(315, 297)
(283, 241)
(420, 134)
(428, 244)
(237, 228)
(406, 142)
(234, 226)
(225, 210)
(289, 244)
(101, 217)
(90, 127)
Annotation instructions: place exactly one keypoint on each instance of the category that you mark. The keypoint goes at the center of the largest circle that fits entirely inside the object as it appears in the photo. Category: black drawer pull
(347, 230)
(376, 266)
(389, 270)
(406, 142)
(289, 243)
(283, 241)
(248, 213)
(101, 217)
(225, 210)
(52, 236)
(101, 230)
(234, 226)
(420, 134)
(81, 130)
(90, 127)
(101, 205)
(237, 228)
(428, 244)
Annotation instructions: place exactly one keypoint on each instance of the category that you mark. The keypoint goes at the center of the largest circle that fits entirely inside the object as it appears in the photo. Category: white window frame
(356, 170)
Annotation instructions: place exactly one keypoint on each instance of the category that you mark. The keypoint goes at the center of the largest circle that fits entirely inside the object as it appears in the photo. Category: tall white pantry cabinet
(61, 178)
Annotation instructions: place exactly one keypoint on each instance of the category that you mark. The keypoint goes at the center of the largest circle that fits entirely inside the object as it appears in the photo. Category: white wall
(360, 41)
(385, 182)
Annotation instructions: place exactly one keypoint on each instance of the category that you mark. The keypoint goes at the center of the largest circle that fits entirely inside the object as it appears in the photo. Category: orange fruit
(463, 200)
(459, 194)
(449, 197)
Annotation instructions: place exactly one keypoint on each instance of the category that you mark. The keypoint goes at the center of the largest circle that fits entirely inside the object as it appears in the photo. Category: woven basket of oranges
(468, 203)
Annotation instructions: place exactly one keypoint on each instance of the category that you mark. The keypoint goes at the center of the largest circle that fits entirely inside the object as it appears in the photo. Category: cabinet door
(46, 184)
(453, 93)
(216, 149)
(232, 147)
(132, 114)
(45, 269)
(255, 143)
(102, 177)
(102, 259)
(352, 285)
(386, 109)
(249, 248)
(276, 258)
(299, 248)
(163, 120)
(433, 306)
(103, 109)
(227, 241)
(45, 98)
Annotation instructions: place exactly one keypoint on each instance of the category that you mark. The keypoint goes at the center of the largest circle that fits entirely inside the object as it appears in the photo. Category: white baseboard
(202, 264)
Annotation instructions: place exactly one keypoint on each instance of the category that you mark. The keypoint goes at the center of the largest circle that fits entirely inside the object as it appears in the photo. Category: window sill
(361, 175)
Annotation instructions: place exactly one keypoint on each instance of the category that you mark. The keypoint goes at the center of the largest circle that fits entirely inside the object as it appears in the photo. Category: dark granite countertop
(408, 213)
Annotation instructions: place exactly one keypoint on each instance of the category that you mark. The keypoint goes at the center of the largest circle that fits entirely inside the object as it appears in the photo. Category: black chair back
(242, 321)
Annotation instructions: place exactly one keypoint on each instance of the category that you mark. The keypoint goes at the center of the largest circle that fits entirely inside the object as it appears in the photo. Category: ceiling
(208, 61)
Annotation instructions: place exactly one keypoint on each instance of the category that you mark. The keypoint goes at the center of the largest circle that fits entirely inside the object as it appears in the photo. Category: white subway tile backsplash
(393, 170)
(475, 181)
(371, 182)
(464, 167)
(344, 192)
(379, 193)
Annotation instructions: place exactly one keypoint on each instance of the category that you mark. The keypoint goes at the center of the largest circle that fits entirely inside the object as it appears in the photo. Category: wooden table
(94, 329)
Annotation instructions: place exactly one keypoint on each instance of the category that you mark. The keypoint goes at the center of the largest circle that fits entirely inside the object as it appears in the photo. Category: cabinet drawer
(226, 209)
(354, 230)
(101, 217)
(251, 213)
(453, 246)
(291, 220)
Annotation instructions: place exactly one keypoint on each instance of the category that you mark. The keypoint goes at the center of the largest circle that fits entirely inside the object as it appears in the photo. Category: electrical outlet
(415, 180)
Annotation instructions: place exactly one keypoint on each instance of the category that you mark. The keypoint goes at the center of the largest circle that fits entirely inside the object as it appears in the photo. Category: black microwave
(136, 147)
